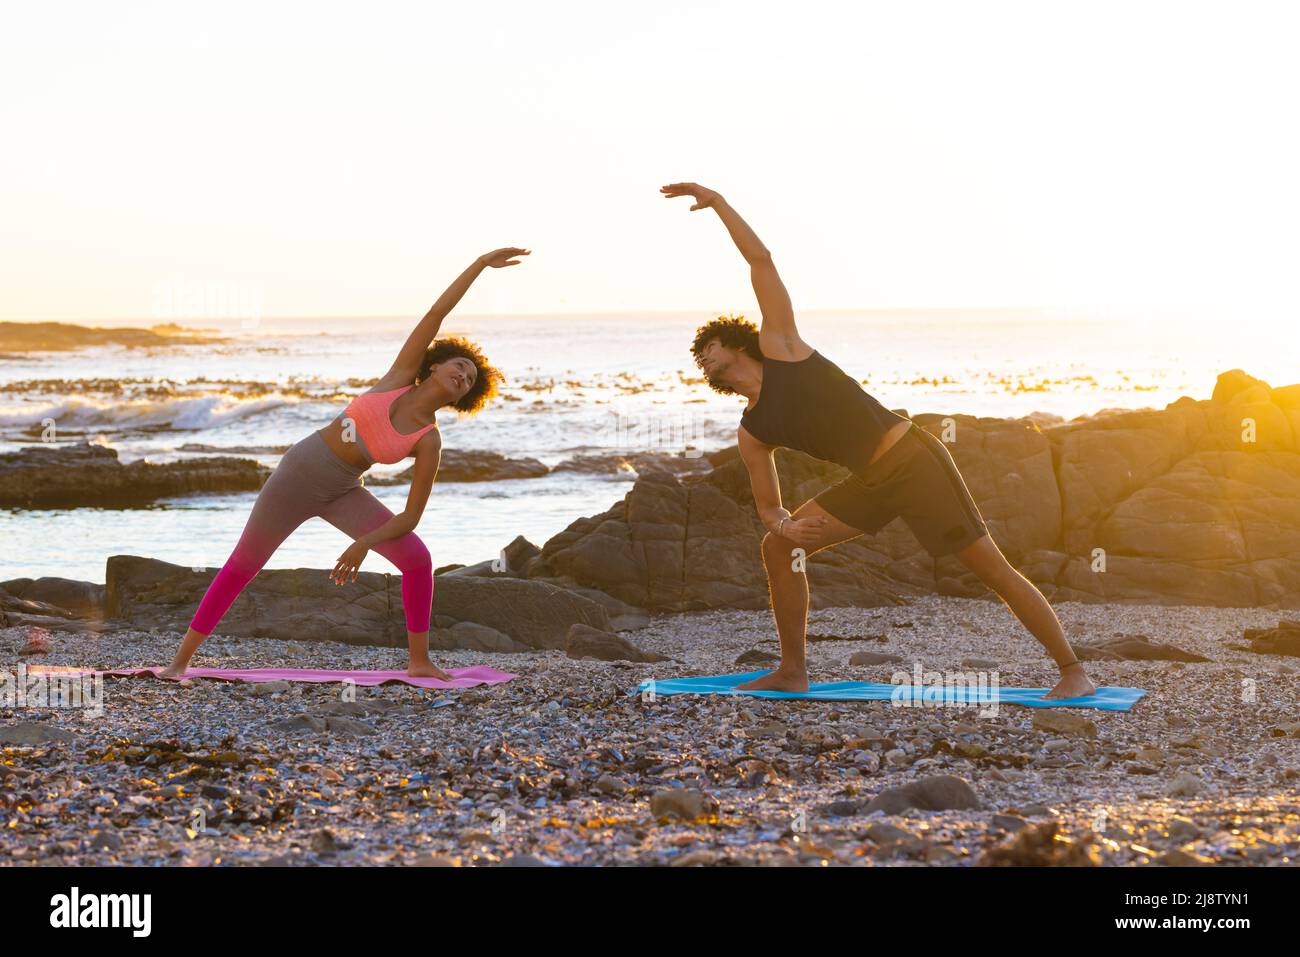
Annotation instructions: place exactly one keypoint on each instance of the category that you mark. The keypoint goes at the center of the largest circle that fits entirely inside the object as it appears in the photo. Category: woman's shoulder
(392, 381)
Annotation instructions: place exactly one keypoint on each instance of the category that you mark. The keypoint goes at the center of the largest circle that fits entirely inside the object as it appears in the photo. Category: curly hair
(734, 332)
(485, 383)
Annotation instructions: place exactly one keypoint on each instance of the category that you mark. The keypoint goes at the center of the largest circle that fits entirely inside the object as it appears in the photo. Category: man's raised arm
(778, 336)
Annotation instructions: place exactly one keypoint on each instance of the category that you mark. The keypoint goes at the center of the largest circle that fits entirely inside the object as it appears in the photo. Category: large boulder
(472, 465)
(1196, 503)
(68, 476)
(303, 604)
(686, 544)
(77, 598)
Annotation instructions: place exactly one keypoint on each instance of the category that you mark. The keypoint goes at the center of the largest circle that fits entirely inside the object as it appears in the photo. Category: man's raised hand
(704, 198)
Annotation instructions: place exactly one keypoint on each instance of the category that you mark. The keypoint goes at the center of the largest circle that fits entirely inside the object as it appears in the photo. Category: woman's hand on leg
(349, 563)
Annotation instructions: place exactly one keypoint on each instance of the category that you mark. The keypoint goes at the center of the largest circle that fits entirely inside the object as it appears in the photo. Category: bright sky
(333, 160)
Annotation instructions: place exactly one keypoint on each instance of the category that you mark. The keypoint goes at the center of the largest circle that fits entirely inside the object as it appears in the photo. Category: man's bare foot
(783, 679)
(1073, 684)
(425, 669)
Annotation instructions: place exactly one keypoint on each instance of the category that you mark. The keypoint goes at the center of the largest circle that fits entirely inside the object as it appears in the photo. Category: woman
(321, 475)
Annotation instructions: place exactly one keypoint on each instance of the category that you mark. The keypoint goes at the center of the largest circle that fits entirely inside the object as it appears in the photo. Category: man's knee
(778, 554)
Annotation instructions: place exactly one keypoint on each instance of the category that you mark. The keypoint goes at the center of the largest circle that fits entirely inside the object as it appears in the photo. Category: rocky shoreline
(564, 766)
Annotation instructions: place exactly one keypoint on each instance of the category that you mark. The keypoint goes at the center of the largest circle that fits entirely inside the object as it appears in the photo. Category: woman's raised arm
(408, 360)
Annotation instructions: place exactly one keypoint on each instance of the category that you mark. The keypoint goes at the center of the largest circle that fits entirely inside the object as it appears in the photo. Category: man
(799, 399)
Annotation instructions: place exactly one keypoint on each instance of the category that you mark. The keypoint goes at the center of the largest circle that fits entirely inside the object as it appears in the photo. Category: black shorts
(918, 481)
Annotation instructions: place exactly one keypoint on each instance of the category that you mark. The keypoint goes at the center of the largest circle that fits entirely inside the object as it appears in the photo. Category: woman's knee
(411, 555)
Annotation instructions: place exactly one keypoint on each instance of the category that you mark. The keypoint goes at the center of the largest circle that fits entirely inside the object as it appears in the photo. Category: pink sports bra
(375, 432)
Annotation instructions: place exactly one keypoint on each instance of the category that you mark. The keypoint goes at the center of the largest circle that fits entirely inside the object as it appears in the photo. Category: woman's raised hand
(502, 257)
(704, 198)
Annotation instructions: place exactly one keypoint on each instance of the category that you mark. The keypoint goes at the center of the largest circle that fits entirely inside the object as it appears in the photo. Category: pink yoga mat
(464, 677)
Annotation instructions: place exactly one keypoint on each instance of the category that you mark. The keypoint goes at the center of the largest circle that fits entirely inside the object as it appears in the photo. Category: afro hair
(733, 332)
(485, 383)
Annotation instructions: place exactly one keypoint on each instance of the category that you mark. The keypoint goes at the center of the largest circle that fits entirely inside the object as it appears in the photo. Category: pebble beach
(567, 764)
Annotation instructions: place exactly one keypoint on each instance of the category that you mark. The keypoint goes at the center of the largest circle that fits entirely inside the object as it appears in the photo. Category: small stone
(1185, 785)
(685, 803)
(105, 840)
(26, 733)
(942, 792)
(873, 658)
(1009, 822)
(1177, 857)
(263, 689)
(1064, 723)
(322, 842)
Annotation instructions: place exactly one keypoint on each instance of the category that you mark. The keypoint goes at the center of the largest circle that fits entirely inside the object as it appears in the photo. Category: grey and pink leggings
(311, 480)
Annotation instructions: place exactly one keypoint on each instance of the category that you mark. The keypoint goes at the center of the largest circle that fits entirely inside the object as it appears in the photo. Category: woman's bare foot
(783, 679)
(1073, 684)
(172, 671)
(425, 669)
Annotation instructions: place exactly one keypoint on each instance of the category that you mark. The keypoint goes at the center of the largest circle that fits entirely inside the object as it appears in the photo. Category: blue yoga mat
(1106, 699)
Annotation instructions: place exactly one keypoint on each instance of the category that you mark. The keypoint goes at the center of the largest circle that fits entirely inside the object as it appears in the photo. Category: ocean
(575, 384)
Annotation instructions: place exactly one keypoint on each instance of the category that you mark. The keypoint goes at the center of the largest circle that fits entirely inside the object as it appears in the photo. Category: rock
(264, 689)
(300, 603)
(587, 642)
(348, 726)
(473, 465)
(873, 658)
(843, 808)
(1184, 511)
(432, 860)
(755, 656)
(636, 463)
(688, 804)
(1063, 723)
(980, 664)
(610, 784)
(356, 709)
(1009, 822)
(938, 793)
(1039, 845)
(1282, 640)
(1185, 785)
(524, 860)
(892, 838)
(519, 553)
(105, 840)
(36, 641)
(27, 733)
(475, 637)
(1177, 857)
(73, 598)
(71, 476)
(1142, 648)
(322, 842)
(300, 722)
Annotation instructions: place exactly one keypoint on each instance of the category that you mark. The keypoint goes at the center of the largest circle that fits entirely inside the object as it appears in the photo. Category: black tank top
(812, 405)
